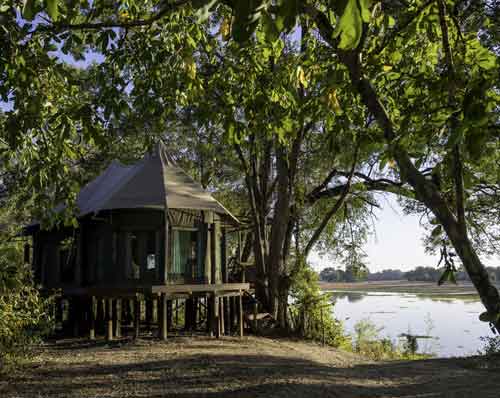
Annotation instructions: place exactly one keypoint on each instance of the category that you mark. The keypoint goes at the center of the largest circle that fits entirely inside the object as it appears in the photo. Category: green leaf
(366, 14)
(488, 317)
(436, 231)
(350, 26)
(288, 11)
(29, 10)
(52, 9)
(203, 8)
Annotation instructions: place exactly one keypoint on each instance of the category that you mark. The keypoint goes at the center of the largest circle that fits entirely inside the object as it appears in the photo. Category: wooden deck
(171, 291)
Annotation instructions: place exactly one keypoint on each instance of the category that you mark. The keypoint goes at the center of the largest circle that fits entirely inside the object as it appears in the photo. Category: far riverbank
(462, 289)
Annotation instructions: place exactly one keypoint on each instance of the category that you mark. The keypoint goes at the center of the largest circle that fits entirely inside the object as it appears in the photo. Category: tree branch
(340, 201)
(168, 7)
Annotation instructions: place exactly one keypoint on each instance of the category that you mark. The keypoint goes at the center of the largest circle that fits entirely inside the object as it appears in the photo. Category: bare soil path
(230, 367)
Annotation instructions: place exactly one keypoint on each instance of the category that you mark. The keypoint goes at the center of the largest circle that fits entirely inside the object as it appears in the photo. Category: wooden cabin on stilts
(150, 243)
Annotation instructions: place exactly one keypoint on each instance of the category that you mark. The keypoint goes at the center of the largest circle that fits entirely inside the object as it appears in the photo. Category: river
(451, 323)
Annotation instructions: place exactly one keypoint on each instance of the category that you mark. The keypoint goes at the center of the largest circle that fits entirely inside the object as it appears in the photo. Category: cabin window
(187, 262)
(135, 258)
(151, 264)
(141, 253)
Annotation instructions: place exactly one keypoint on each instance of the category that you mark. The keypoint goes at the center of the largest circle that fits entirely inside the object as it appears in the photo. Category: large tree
(422, 78)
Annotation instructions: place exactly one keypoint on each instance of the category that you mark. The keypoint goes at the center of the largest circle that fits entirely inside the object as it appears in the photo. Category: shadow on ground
(212, 374)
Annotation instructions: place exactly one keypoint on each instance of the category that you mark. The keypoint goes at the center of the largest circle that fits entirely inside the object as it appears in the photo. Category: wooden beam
(194, 288)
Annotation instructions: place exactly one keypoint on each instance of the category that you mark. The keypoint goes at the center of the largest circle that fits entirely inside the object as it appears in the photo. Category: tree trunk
(278, 235)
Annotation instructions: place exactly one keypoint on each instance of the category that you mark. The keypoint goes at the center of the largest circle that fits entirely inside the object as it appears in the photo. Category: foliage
(491, 346)
(367, 342)
(25, 314)
(421, 274)
(312, 311)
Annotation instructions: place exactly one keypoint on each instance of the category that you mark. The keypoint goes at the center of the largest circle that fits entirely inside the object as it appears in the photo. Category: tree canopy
(316, 104)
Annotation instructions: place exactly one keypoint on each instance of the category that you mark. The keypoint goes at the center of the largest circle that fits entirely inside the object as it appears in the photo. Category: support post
(118, 317)
(221, 316)
(149, 311)
(240, 313)
(227, 316)
(155, 301)
(109, 319)
(75, 315)
(169, 314)
(137, 317)
(255, 321)
(234, 315)
(163, 309)
(92, 317)
(214, 322)
(188, 314)
(176, 312)
(210, 311)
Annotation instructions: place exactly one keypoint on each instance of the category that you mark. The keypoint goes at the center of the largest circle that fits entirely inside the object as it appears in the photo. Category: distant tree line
(421, 274)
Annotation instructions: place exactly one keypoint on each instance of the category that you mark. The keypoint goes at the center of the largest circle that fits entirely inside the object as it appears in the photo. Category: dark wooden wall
(100, 251)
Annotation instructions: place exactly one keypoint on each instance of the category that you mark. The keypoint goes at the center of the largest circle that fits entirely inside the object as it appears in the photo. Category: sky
(396, 242)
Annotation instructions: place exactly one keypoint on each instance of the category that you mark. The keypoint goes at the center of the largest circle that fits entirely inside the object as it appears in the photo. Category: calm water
(452, 323)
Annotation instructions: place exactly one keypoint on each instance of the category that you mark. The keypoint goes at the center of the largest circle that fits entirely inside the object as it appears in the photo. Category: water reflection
(451, 323)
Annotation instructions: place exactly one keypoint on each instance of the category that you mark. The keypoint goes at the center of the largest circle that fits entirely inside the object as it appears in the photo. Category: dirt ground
(230, 367)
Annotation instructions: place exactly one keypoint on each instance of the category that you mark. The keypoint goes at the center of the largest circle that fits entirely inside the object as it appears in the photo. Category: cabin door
(187, 261)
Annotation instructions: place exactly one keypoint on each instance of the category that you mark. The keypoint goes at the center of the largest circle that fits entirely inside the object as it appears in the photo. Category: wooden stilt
(240, 314)
(188, 308)
(155, 301)
(137, 318)
(194, 313)
(227, 327)
(255, 321)
(109, 319)
(163, 309)
(169, 314)
(75, 315)
(216, 323)
(92, 317)
(100, 315)
(221, 316)
(210, 329)
(118, 317)
(176, 312)
(234, 315)
(149, 311)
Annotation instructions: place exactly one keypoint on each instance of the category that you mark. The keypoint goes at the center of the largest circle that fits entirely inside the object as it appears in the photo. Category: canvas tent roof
(156, 181)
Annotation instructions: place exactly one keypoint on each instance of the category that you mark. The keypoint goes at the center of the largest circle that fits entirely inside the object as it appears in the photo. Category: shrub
(311, 311)
(24, 314)
(491, 346)
(367, 342)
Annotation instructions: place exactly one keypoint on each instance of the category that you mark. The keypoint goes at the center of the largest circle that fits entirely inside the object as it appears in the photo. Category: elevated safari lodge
(150, 248)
